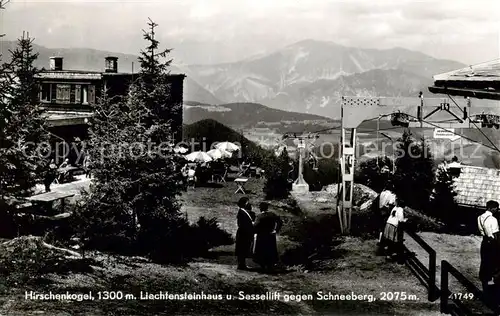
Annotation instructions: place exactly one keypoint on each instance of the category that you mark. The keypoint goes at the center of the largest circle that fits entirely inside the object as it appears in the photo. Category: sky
(212, 31)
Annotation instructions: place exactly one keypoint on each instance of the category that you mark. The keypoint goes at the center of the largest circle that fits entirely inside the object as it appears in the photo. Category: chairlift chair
(400, 119)
(290, 174)
(490, 121)
(313, 162)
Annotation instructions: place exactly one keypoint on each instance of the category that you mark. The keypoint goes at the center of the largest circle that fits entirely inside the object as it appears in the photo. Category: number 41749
(462, 296)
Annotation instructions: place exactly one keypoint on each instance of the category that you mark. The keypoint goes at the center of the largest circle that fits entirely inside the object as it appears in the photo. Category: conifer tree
(22, 130)
(277, 175)
(153, 88)
(443, 203)
(132, 160)
(414, 175)
(22, 127)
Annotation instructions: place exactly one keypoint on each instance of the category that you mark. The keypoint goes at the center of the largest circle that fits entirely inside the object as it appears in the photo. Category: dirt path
(461, 251)
(358, 271)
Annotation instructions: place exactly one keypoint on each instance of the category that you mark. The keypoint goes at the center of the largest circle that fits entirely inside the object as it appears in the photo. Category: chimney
(56, 63)
(111, 64)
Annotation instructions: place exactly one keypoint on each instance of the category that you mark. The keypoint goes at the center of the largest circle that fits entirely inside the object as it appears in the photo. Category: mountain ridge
(286, 71)
(295, 77)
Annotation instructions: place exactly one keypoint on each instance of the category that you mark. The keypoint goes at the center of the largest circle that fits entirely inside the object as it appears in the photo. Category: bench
(50, 197)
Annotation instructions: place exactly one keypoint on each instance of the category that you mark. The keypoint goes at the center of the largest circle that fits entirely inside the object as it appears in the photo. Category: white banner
(448, 133)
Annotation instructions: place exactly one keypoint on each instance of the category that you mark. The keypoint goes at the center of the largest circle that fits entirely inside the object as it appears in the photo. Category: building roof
(70, 74)
(479, 81)
(488, 71)
(84, 74)
(476, 185)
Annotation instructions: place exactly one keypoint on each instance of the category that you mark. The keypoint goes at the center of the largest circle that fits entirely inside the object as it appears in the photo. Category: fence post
(444, 287)
(432, 276)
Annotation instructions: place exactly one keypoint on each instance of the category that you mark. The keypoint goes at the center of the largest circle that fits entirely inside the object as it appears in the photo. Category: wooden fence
(450, 302)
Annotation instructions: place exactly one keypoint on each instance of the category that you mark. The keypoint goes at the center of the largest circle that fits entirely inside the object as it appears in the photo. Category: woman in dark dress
(245, 232)
(267, 225)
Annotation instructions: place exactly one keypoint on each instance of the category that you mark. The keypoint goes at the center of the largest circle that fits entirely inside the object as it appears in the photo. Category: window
(53, 93)
(78, 94)
(84, 95)
(63, 93)
(72, 94)
(45, 92)
(91, 94)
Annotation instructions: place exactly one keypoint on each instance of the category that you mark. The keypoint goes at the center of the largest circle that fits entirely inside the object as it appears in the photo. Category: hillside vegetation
(246, 114)
(208, 132)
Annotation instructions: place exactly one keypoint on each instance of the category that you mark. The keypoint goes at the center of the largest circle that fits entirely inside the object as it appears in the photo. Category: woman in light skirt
(392, 236)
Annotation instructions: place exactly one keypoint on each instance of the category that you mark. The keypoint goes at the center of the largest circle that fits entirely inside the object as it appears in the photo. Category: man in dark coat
(267, 225)
(245, 232)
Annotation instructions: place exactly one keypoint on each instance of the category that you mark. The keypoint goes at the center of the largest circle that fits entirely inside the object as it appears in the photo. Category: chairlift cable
(463, 112)
(427, 122)
(469, 139)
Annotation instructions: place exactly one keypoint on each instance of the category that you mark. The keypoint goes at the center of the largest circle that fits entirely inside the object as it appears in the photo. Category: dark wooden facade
(67, 95)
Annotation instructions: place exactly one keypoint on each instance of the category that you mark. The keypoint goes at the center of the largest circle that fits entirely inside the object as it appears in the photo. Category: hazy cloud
(463, 30)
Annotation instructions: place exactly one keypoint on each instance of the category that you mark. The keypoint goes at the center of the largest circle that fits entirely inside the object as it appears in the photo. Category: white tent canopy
(227, 146)
(198, 156)
(219, 153)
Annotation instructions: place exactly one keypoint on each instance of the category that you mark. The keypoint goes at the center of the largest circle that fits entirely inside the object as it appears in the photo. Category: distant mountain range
(309, 76)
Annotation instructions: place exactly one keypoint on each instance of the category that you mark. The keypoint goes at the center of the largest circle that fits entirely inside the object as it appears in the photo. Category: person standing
(63, 173)
(50, 175)
(387, 201)
(267, 225)
(184, 177)
(245, 233)
(392, 237)
(488, 228)
(191, 177)
(86, 166)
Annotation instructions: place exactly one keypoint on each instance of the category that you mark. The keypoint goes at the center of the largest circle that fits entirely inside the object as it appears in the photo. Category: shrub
(186, 241)
(369, 173)
(443, 205)
(28, 257)
(414, 175)
(277, 174)
(164, 239)
(8, 223)
(327, 173)
(206, 234)
(365, 224)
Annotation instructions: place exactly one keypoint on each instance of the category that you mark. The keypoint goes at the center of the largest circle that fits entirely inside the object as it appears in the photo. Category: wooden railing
(458, 307)
(426, 274)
